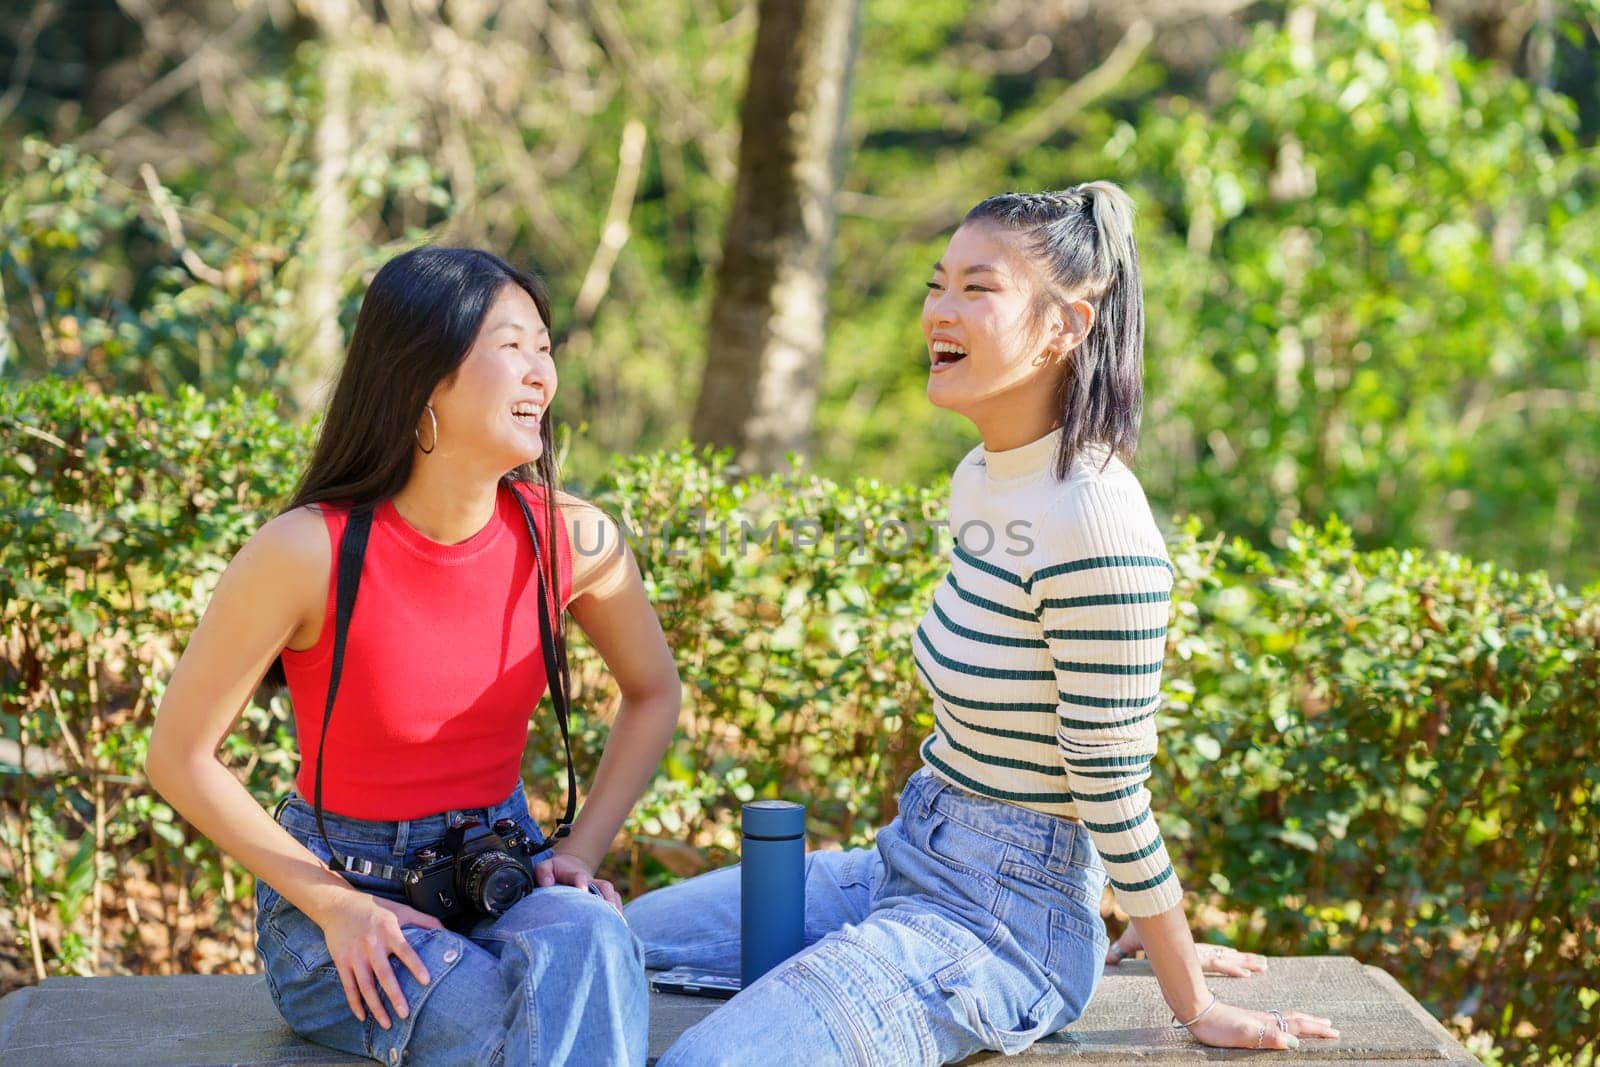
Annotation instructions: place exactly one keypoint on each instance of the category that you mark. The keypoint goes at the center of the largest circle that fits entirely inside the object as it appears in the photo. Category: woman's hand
(564, 868)
(362, 932)
(1226, 1026)
(1214, 959)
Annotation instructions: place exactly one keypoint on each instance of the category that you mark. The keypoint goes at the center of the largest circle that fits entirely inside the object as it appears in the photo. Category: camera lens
(495, 881)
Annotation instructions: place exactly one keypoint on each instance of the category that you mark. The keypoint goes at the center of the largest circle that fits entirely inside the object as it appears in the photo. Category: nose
(540, 373)
(938, 308)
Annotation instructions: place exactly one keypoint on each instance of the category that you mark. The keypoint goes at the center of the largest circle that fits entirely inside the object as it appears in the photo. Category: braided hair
(1080, 242)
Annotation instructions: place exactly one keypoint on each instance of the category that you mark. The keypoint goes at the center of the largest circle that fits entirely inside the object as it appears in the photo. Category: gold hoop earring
(418, 432)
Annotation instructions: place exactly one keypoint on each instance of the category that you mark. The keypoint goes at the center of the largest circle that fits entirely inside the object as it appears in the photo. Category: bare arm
(1171, 950)
(271, 596)
(1214, 959)
(1170, 947)
(609, 602)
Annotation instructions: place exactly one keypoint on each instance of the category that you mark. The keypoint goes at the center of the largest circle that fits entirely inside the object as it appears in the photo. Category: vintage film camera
(474, 873)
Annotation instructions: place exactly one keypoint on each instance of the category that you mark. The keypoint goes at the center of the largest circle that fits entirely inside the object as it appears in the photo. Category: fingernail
(1294, 1042)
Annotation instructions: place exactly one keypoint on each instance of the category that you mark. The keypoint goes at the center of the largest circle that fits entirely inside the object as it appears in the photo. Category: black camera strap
(556, 673)
(352, 553)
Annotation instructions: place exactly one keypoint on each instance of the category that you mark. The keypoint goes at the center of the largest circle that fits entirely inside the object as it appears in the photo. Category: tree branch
(671, 101)
(1534, 401)
(169, 218)
(614, 233)
(176, 81)
(943, 208)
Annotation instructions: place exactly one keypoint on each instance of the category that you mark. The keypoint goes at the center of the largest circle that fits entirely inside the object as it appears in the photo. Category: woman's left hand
(564, 869)
(1225, 1026)
(1214, 959)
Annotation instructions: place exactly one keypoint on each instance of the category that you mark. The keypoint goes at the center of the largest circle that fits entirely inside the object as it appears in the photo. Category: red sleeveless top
(442, 667)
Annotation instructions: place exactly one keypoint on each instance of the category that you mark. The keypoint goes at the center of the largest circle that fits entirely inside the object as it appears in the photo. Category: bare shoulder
(278, 579)
(289, 556)
(601, 561)
(297, 538)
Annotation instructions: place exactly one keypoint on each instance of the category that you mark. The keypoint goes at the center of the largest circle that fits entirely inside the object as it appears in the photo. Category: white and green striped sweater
(1043, 650)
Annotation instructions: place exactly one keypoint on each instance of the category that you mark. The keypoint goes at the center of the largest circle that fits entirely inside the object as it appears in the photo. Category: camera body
(475, 873)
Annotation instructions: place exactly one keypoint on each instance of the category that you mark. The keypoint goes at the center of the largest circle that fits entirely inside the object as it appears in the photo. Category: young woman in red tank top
(408, 836)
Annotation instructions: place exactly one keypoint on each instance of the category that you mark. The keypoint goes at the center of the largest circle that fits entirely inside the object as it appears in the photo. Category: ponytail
(1081, 240)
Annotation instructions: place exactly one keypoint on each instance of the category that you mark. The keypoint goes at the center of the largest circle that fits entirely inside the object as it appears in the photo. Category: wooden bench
(196, 1020)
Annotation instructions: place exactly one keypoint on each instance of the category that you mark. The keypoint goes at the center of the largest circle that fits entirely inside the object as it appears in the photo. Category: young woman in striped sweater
(974, 922)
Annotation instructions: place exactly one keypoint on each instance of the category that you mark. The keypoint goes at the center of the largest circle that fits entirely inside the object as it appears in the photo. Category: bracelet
(1176, 1025)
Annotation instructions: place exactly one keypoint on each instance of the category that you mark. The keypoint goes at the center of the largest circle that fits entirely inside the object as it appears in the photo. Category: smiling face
(490, 409)
(993, 358)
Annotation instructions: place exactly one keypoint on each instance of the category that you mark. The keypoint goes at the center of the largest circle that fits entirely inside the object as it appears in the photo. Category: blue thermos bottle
(772, 886)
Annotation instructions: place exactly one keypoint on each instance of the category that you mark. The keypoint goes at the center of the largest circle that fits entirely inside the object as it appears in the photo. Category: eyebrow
(511, 324)
(976, 268)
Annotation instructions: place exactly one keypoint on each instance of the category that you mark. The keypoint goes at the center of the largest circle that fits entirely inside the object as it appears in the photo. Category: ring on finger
(1262, 1036)
(1283, 1024)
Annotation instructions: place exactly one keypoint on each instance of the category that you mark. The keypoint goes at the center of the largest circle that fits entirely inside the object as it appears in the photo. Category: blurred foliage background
(1369, 232)
(1369, 229)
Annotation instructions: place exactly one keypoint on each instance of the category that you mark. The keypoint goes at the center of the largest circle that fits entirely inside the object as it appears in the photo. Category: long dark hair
(1081, 241)
(417, 323)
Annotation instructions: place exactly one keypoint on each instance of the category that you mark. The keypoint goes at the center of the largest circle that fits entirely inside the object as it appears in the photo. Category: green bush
(120, 515)
(1391, 755)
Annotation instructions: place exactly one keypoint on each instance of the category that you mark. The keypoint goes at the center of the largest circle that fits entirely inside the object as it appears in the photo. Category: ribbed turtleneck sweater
(1043, 649)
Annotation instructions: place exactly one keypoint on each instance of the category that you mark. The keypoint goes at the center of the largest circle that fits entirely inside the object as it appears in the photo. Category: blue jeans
(971, 925)
(558, 978)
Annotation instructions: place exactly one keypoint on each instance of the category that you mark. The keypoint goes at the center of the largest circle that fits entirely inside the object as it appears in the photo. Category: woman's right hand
(1214, 959)
(362, 932)
(1226, 1026)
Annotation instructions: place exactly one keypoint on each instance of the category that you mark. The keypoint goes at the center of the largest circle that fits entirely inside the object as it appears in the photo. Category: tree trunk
(758, 394)
(327, 240)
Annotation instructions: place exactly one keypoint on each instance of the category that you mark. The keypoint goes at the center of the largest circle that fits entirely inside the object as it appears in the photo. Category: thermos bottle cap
(774, 819)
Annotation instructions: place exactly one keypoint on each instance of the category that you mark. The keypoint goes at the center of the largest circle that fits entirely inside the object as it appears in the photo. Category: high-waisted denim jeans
(558, 978)
(971, 925)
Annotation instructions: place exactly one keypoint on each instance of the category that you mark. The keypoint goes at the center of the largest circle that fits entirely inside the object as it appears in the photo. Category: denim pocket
(440, 951)
(267, 900)
(957, 845)
(1077, 960)
(306, 989)
(995, 1020)
(1040, 1020)
(1054, 921)
(287, 935)
(1079, 925)
(1029, 869)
